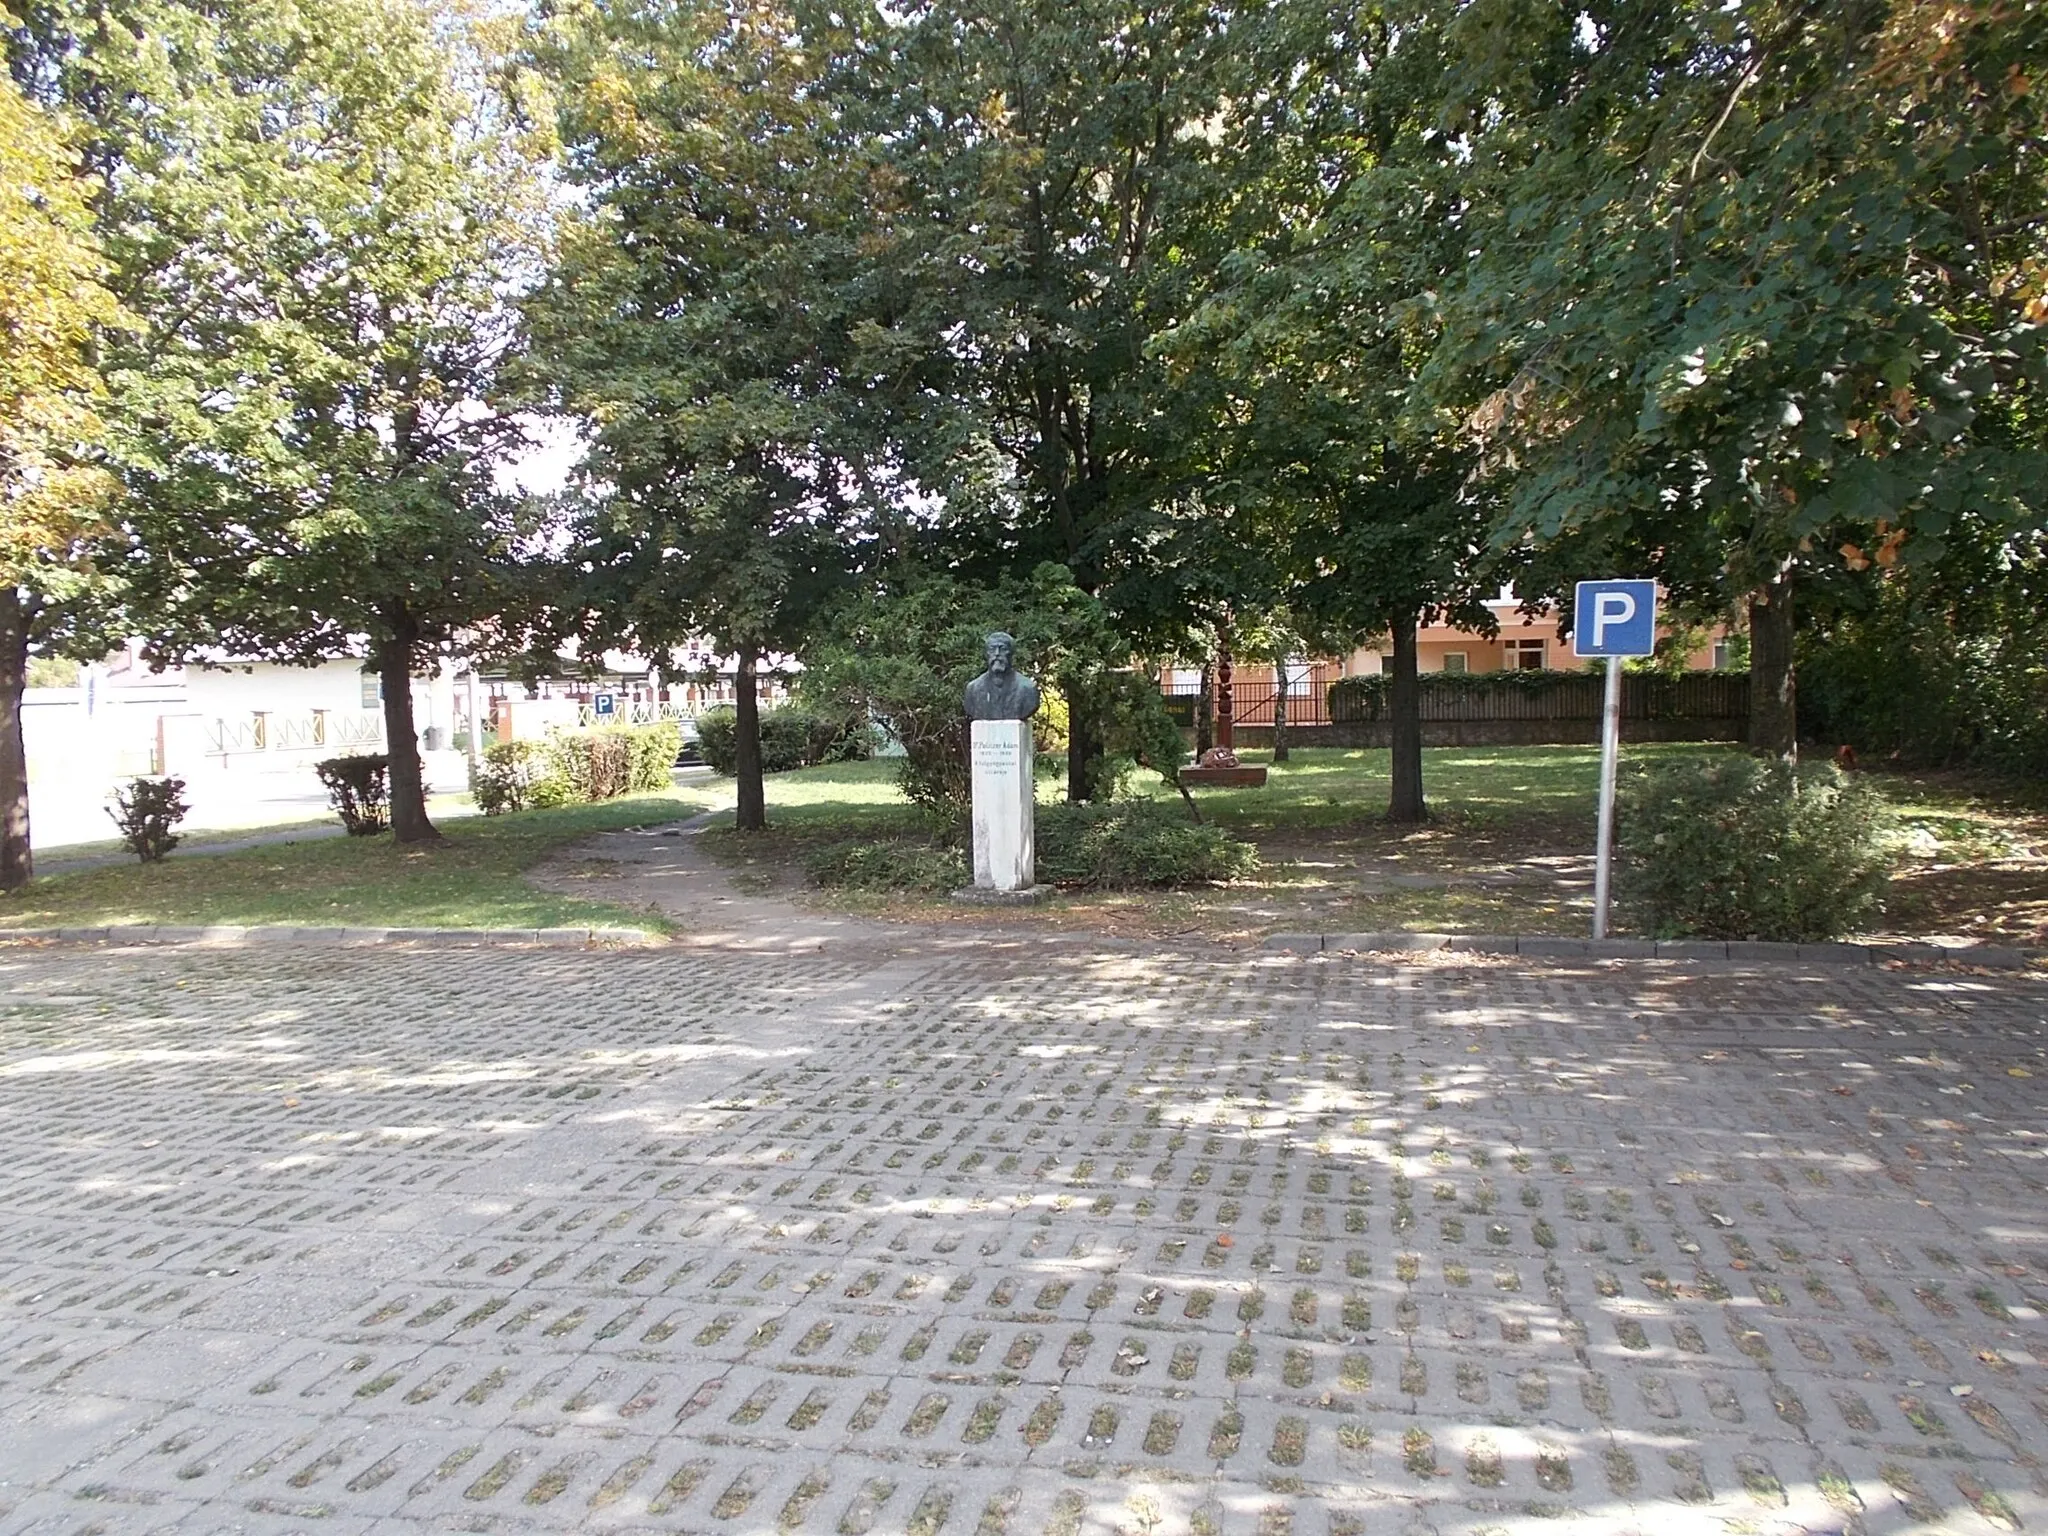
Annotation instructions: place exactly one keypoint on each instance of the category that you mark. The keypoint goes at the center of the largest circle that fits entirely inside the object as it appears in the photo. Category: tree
(317, 217)
(1756, 290)
(697, 324)
(1316, 312)
(1043, 158)
(53, 307)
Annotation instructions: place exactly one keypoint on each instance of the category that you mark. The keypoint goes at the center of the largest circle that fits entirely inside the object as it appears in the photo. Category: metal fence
(1565, 696)
(1252, 703)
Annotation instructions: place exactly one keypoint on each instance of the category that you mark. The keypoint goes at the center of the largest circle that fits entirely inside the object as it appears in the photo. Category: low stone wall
(1495, 733)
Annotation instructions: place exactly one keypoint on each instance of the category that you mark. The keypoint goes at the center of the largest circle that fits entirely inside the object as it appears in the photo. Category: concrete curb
(228, 937)
(1992, 955)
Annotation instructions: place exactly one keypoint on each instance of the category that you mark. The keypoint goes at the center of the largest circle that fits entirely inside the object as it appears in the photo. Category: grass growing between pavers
(474, 878)
(1508, 847)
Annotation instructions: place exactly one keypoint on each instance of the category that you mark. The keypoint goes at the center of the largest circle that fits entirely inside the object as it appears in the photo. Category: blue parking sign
(602, 705)
(1615, 618)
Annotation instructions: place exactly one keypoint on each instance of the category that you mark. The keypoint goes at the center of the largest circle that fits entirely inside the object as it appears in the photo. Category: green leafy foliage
(146, 809)
(651, 752)
(1133, 845)
(792, 736)
(1739, 847)
(1754, 292)
(1368, 697)
(359, 789)
(928, 868)
(591, 765)
(504, 780)
(575, 767)
(903, 656)
(1938, 667)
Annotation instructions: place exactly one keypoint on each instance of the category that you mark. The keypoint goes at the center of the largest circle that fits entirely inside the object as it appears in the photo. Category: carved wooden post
(1225, 739)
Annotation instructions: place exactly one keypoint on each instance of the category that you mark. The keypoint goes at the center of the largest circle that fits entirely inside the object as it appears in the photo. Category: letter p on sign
(1615, 618)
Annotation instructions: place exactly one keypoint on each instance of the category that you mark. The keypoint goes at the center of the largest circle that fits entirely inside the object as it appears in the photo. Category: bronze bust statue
(1002, 692)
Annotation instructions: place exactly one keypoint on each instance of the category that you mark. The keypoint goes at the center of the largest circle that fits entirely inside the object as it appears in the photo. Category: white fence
(321, 730)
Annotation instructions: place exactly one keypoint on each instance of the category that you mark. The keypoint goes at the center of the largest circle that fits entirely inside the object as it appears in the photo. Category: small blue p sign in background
(1615, 618)
(603, 704)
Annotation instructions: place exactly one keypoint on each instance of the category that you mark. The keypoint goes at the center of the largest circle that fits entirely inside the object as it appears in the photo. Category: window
(1300, 676)
(1454, 661)
(1525, 655)
(373, 691)
(1720, 655)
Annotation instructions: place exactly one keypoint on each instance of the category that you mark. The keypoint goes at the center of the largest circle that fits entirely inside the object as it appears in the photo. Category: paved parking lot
(1022, 1239)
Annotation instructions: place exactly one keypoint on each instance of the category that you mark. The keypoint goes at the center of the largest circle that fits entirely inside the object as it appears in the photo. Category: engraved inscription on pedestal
(1003, 805)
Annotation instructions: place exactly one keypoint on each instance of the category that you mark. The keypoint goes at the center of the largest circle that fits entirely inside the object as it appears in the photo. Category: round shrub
(145, 810)
(359, 789)
(1738, 847)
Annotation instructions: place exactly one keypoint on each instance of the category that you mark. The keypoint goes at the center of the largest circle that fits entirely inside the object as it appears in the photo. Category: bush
(505, 780)
(1740, 847)
(1912, 680)
(893, 866)
(575, 767)
(359, 788)
(593, 765)
(791, 737)
(718, 740)
(1131, 844)
(145, 812)
(653, 750)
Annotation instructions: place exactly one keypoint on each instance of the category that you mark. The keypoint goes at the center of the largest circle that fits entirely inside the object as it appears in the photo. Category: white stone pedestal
(1004, 803)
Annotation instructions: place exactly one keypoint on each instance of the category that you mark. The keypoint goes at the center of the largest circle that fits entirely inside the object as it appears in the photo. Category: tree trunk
(409, 822)
(1205, 712)
(1280, 712)
(1084, 748)
(1773, 712)
(746, 708)
(17, 866)
(1404, 705)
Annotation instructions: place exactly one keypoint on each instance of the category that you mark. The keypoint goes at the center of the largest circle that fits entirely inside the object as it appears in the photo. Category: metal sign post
(1611, 619)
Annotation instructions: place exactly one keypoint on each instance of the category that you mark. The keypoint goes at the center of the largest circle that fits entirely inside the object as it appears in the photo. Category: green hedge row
(575, 767)
(791, 737)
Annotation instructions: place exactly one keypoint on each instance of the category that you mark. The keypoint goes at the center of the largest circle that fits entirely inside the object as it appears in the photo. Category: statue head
(1002, 653)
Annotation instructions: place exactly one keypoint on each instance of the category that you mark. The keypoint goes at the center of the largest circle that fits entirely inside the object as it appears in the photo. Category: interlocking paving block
(1076, 1238)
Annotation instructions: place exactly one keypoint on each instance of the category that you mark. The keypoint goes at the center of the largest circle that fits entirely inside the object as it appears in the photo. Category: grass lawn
(474, 879)
(1508, 847)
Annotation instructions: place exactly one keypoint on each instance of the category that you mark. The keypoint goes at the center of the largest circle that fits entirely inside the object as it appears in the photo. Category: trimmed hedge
(1367, 697)
(359, 789)
(575, 767)
(146, 809)
(791, 737)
